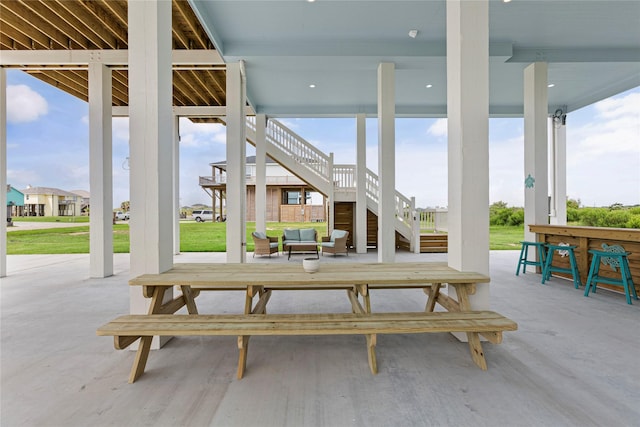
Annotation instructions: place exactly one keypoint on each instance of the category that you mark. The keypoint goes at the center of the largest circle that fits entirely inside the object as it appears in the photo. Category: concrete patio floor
(573, 361)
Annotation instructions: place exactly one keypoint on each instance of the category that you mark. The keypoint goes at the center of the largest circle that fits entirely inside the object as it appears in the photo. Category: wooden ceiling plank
(219, 78)
(94, 30)
(104, 17)
(196, 91)
(180, 40)
(92, 41)
(69, 79)
(190, 19)
(179, 90)
(197, 76)
(20, 39)
(119, 9)
(17, 11)
(20, 25)
(68, 31)
(81, 94)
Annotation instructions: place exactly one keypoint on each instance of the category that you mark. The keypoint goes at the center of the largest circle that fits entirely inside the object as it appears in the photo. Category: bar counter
(586, 238)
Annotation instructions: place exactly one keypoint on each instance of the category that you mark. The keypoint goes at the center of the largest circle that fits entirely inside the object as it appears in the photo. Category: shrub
(573, 215)
(634, 221)
(593, 217)
(617, 218)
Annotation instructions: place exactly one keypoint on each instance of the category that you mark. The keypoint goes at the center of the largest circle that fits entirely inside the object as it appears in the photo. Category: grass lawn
(51, 219)
(194, 237)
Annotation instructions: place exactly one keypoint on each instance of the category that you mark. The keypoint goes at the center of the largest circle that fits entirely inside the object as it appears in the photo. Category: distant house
(289, 199)
(47, 201)
(15, 202)
(84, 209)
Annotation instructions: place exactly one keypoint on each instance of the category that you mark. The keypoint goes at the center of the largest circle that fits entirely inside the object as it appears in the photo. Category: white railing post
(331, 196)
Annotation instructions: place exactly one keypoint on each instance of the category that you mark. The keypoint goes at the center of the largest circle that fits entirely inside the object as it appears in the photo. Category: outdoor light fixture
(413, 33)
(312, 85)
(550, 85)
(429, 86)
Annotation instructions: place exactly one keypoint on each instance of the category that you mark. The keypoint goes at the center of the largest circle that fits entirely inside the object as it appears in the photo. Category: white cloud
(438, 128)
(201, 134)
(120, 129)
(24, 104)
(20, 178)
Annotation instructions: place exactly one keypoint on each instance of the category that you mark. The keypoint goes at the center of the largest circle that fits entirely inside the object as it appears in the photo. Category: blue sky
(47, 146)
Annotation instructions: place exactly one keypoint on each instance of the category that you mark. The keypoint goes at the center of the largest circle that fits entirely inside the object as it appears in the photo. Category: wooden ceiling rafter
(102, 24)
(96, 8)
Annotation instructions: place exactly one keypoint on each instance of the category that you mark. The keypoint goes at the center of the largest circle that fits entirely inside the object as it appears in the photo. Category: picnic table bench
(262, 279)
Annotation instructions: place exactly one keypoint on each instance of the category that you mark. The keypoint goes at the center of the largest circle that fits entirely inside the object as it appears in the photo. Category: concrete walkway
(573, 361)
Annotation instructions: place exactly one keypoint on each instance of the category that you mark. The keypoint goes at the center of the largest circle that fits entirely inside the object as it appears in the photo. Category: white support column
(150, 142)
(261, 172)
(3, 172)
(468, 141)
(415, 228)
(236, 164)
(535, 181)
(100, 171)
(558, 165)
(176, 185)
(386, 162)
(331, 198)
(361, 184)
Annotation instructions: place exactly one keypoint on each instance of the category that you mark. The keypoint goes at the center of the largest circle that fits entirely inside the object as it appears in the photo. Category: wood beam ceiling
(102, 24)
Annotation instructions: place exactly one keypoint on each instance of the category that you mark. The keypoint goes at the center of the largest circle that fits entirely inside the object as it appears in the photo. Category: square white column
(386, 162)
(361, 184)
(3, 172)
(558, 172)
(150, 143)
(236, 164)
(261, 172)
(100, 172)
(176, 185)
(535, 180)
(468, 139)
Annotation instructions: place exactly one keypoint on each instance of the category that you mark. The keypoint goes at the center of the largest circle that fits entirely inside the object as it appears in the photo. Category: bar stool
(523, 261)
(563, 250)
(614, 256)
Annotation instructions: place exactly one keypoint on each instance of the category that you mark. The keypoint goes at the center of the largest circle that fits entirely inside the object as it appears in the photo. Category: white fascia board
(108, 57)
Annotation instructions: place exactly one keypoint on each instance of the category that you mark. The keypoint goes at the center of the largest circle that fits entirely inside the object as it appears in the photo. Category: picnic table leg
(371, 338)
(141, 359)
(144, 346)
(243, 347)
(476, 350)
(189, 299)
(433, 290)
(364, 291)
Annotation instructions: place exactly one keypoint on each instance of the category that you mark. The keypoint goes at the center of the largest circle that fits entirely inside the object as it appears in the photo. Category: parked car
(122, 216)
(202, 215)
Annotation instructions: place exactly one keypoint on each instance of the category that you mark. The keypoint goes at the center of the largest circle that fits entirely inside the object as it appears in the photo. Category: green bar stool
(615, 256)
(523, 261)
(563, 250)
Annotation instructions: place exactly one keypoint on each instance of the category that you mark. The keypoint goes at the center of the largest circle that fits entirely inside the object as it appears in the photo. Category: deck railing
(433, 220)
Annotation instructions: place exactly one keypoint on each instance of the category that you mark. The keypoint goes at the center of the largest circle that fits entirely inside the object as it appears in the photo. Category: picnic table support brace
(371, 338)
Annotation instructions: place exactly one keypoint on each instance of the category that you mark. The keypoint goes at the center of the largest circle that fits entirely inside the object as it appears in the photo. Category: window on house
(294, 197)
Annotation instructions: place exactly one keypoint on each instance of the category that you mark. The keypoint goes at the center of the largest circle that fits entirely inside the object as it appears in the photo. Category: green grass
(51, 219)
(505, 237)
(194, 237)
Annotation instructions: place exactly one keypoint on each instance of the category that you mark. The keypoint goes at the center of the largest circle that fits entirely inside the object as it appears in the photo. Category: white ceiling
(592, 47)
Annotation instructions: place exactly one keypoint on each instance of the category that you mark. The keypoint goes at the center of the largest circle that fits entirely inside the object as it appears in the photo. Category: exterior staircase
(336, 182)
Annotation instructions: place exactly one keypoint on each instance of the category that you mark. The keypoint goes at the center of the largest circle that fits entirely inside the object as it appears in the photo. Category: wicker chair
(264, 245)
(336, 243)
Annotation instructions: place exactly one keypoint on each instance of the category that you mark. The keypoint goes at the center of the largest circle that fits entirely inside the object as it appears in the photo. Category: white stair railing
(315, 161)
(295, 147)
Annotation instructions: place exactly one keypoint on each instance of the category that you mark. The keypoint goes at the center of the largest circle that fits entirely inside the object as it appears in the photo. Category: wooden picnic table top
(282, 276)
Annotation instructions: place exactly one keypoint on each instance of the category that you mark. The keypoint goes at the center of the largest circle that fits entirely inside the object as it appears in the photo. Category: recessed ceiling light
(429, 86)
(504, 1)
(413, 33)
(312, 85)
(550, 85)
(311, 1)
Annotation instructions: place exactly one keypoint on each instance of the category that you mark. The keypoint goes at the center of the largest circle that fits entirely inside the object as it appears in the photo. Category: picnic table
(259, 281)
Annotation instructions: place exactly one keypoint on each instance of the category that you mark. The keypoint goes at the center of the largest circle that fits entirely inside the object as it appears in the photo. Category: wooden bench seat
(127, 329)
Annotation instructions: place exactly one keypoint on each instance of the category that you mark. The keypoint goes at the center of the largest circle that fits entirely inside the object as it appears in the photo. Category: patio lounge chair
(336, 243)
(264, 245)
